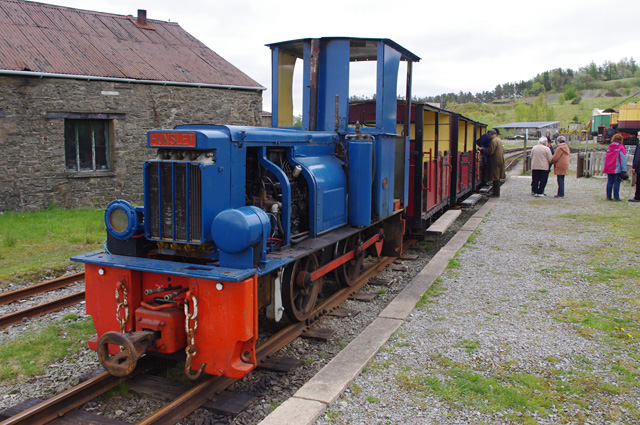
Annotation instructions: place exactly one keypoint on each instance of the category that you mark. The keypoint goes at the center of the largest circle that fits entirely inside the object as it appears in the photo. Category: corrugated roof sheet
(52, 39)
(530, 124)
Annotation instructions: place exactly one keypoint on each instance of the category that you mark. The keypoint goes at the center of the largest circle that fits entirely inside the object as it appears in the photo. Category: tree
(522, 112)
(570, 93)
(537, 89)
(546, 81)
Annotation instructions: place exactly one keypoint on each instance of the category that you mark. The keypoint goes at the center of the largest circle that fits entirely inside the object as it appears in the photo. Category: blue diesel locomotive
(243, 222)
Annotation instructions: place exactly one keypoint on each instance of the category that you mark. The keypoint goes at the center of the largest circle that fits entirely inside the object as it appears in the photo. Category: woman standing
(561, 164)
(615, 162)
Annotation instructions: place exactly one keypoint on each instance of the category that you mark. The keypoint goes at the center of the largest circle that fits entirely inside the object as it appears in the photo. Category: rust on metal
(42, 309)
(44, 38)
(66, 401)
(208, 388)
(133, 346)
(39, 288)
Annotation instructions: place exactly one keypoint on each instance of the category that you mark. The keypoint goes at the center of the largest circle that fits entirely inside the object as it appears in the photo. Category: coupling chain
(122, 306)
(191, 349)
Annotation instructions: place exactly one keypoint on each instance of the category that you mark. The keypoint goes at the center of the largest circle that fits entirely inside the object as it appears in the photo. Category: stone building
(80, 89)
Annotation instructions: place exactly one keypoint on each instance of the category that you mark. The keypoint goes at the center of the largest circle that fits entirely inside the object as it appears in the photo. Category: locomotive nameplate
(172, 139)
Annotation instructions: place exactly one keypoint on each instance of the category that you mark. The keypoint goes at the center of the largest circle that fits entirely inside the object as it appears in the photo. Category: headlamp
(121, 219)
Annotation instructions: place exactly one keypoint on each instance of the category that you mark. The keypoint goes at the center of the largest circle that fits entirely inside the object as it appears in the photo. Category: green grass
(33, 242)
(434, 291)
(469, 345)
(520, 397)
(618, 326)
(32, 353)
(498, 114)
(372, 399)
(454, 264)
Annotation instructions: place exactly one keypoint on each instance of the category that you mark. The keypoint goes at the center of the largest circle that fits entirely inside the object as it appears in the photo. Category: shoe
(558, 196)
(537, 195)
(542, 194)
(617, 199)
(609, 199)
(634, 200)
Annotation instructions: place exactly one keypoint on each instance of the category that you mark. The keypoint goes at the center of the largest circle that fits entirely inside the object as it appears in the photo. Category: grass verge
(31, 354)
(35, 243)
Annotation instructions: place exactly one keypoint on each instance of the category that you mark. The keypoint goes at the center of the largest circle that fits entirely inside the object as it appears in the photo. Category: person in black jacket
(636, 169)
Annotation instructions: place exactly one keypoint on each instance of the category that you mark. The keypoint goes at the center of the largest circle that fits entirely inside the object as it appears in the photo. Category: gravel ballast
(494, 314)
(526, 309)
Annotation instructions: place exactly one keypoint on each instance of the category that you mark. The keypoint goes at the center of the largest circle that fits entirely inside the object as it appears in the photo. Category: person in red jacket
(615, 162)
(560, 162)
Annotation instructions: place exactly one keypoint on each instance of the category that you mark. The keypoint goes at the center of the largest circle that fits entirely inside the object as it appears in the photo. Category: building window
(86, 143)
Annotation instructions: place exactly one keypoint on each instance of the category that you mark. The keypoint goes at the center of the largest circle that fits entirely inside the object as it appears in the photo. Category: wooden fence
(592, 163)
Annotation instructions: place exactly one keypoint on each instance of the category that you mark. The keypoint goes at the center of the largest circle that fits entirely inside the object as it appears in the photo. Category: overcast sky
(469, 46)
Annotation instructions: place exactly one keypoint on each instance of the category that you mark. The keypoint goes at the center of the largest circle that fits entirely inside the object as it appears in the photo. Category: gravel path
(526, 326)
(495, 316)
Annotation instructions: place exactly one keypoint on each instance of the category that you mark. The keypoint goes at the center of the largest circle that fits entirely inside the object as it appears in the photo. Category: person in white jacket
(541, 158)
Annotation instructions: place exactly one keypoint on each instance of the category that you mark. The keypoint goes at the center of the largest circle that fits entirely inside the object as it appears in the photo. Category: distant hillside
(549, 107)
(610, 76)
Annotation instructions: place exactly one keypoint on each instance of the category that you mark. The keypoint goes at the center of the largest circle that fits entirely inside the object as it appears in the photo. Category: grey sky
(465, 45)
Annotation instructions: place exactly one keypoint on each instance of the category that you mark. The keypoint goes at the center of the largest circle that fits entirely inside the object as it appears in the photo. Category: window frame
(98, 163)
(109, 127)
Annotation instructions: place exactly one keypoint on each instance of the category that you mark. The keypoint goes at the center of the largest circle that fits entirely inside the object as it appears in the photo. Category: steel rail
(42, 309)
(512, 160)
(39, 288)
(66, 401)
(212, 385)
(198, 395)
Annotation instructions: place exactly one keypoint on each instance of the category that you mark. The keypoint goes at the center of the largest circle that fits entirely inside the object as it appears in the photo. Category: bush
(576, 100)
(570, 93)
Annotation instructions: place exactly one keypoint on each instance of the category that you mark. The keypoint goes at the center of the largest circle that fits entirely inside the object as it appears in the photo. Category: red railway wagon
(444, 166)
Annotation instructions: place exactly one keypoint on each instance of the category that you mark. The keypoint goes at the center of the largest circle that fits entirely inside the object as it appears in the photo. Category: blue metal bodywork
(196, 192)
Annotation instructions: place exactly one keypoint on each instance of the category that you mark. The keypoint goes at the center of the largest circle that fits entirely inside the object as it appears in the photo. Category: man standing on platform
(541, 158)
(494, 168)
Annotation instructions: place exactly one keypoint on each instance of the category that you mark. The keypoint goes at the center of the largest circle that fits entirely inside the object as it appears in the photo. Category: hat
(492, 131)
(561, 139)
(496, 130)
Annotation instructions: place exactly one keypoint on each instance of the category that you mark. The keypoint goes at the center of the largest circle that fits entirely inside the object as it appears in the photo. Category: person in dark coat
(494, 168)
(635, 168)
(483, 143)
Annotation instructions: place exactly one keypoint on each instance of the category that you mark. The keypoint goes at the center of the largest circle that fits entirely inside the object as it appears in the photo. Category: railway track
(50, 410)
(512, 156)
(45, 308)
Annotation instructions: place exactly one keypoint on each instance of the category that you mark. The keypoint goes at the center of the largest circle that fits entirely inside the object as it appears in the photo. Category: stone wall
(32, 159)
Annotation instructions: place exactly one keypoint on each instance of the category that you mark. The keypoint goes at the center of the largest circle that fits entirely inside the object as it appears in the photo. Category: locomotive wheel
(299, 295)
(348, 273)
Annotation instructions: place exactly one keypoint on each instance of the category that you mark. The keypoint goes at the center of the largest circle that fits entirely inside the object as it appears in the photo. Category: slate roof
(43, 38)
(531, 124)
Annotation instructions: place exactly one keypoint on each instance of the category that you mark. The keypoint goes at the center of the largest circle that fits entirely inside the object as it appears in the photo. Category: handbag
(623, 173)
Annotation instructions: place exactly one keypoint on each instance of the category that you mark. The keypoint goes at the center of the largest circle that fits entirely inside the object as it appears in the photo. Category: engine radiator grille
(174, 201)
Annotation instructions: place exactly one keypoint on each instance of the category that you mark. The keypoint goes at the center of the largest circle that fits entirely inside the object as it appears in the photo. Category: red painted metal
(168, 322)
(228, 326)
(337, 262)
(227, 314)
